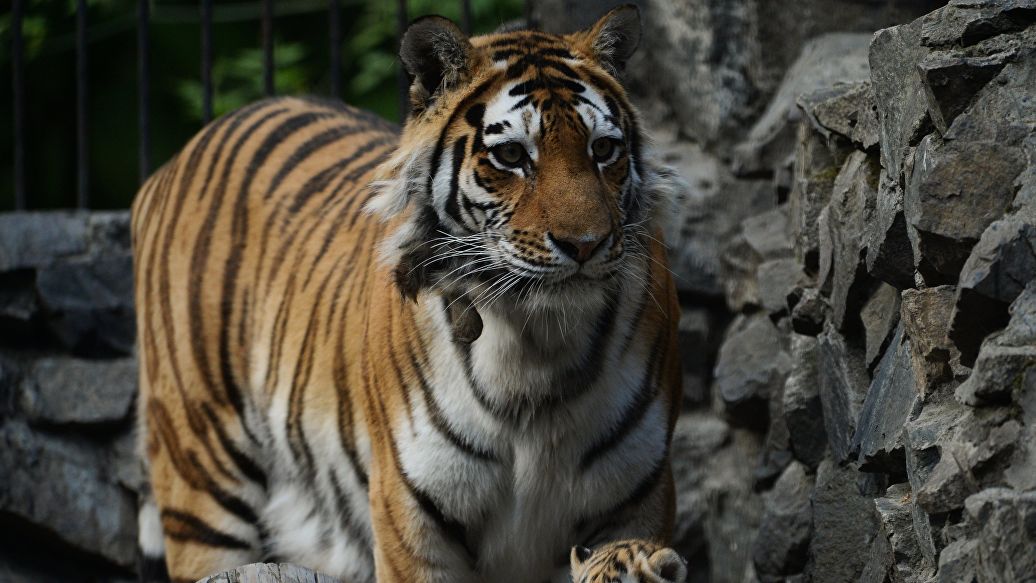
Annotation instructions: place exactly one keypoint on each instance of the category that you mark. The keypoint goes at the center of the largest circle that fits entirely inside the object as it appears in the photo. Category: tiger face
(521, 168)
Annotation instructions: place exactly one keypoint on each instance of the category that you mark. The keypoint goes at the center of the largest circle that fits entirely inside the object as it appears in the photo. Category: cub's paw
(628, 561)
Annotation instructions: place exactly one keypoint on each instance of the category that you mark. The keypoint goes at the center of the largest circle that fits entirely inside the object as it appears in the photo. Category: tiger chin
(445, 353)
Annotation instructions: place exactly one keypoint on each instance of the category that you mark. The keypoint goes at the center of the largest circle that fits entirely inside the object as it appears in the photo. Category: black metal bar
(530, 18)
(403, 81)
(334, 17)
(268, 47)
(465, 16)
(143, 83)
(83, 151)
(18, 86)
(206, 60)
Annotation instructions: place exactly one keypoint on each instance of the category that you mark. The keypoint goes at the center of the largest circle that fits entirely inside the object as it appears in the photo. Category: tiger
(628, 561)
(440, 353)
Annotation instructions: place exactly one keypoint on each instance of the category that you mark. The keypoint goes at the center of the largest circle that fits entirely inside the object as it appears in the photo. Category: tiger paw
(628, 561)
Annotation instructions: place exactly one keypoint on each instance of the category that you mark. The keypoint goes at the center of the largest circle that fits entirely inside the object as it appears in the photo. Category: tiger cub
(629, 561)
(398, 355)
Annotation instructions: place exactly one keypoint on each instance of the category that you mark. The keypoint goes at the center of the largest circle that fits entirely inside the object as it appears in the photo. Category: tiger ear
(615, 37)
(436, 55)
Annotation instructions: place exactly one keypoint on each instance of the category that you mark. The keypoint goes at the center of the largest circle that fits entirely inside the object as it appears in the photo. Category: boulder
(878, 441)
(803, 412)
(846, 109)
(957, 562)
(926, 316)
(782, 543)
(817, 164)
(1007, 536)
(894, 511)
(967, 22)
(844, 527)
(59, 390)
(777, 279)
(809, 312)
(843, 386)
(752, 365)
(890, 253)
(880, 315)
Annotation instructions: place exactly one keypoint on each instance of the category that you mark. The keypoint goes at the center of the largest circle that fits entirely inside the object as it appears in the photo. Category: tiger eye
(602, 148)
(509, 153)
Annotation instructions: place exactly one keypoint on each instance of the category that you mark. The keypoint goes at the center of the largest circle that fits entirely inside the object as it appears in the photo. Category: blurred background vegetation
(301, 31)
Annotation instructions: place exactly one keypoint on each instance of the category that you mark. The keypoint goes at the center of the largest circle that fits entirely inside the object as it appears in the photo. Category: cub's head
(630, 561)
(522, 170)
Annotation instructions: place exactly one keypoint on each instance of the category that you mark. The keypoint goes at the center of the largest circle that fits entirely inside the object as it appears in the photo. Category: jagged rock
(1000, 265)
(817, 164)
(63, 485)
(898, 92)
(781, 545)
(894, 510)
(852, 203)
(33, 240)
(803, 412)
(968, 22)
(18, 296)
(809, 312)
(957, 562)
(926, 316)
(89, 303)
(1021, 474)
(844, 524)
(843, 386)
(879, 436)
(846, 109)
(752, 365)
(951, 80)
(1007, 536)
(1006, 358)
(825, 60)
(880, 315)
(70, 390)
(777, 279)
(890, 254)
(269, 573)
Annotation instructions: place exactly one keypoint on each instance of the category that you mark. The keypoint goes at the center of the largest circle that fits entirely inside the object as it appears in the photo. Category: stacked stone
(885, 337)
(67, 386)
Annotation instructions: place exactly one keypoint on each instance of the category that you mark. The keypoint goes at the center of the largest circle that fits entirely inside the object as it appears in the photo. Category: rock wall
(68, 469)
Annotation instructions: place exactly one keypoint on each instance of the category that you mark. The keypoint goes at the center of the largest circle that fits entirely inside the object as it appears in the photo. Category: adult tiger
(516, 398)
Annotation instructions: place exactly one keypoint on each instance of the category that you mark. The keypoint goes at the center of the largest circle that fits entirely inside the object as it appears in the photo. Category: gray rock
(752, 365)
(844, 527)
(1000, 265)
(890, 254)
(69, 390)
(971, 21)
(951, 80)
(63, 486)
(809, 312)
(34, 240)
(803, 412)
(18, 296)
(269, 573)
(1007, 359)
(898, 92)
(843, 386)
(957, 562)
(880, 315)
(879, 436)
(695, 349)
(847, 109)
(1007, 538)
(817, 164)
(777, 279)
(89, 303)
(853, 199)
(894, 511)
(825, 60)
(781, 546)
(926, 315)
(1021, 471)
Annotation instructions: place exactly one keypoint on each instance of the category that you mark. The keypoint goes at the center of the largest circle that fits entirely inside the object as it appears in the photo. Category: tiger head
(521, 168)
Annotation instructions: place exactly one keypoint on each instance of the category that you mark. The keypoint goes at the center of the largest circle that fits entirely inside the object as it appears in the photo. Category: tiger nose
(580, 249)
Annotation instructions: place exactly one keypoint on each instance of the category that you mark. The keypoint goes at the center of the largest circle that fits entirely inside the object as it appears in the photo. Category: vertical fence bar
(18, 87)
(83, 152)
(404, 83)
(206, 60)
(530, 18)
(143, 84)
(334, 18)
(465, 16)
(268, 47)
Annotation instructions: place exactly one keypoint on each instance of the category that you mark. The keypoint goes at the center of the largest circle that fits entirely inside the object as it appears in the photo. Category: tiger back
(446, 353)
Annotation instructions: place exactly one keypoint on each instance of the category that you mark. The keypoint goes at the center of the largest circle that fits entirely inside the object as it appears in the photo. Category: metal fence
(268, 16)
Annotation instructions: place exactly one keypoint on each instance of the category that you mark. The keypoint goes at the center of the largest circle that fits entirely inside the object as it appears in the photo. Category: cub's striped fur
(630, 561)
(452, 377)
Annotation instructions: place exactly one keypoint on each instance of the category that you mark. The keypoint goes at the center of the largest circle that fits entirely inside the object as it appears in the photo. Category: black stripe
(245, 464)
(453, 201)
(195, 530)
(228, 501)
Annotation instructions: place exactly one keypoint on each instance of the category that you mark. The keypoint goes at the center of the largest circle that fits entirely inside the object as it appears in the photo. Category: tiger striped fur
(451, 376)
(630, 561)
